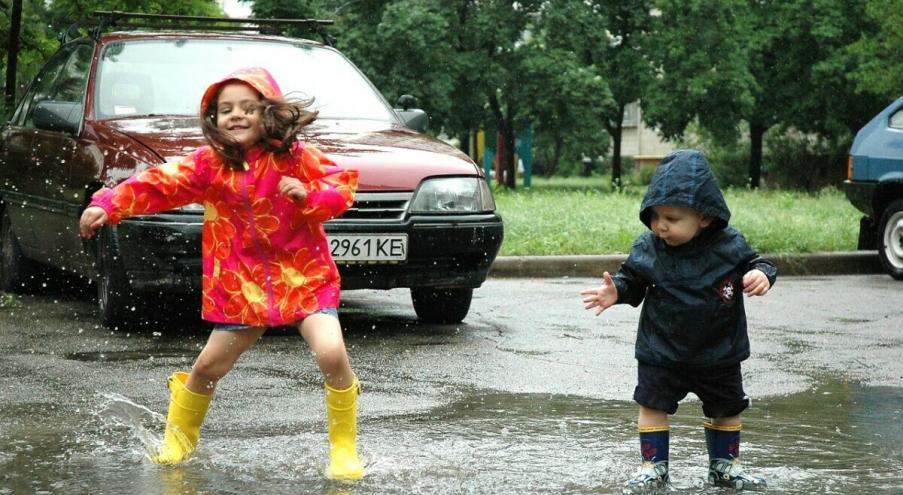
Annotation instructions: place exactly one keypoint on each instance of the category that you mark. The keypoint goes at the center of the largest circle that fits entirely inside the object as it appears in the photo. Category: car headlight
(452, 194)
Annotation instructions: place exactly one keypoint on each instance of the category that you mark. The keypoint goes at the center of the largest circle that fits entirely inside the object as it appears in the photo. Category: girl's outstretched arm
(157, 189)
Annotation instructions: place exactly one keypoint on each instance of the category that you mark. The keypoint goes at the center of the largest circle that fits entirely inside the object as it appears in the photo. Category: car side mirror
(62, 116)
(413, 117)
(406, 101)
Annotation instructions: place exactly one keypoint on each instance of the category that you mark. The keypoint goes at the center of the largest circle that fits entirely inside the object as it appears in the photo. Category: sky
(235, 9)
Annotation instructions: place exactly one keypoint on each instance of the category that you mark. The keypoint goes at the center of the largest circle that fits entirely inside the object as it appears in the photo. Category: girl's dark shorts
(720, 389)
(230, 327)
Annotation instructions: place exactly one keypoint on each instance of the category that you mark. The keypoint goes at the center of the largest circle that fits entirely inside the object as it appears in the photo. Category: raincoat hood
(257, 77)
(684, 178)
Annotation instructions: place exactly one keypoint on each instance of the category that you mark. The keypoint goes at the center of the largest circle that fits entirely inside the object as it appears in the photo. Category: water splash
(117, 413)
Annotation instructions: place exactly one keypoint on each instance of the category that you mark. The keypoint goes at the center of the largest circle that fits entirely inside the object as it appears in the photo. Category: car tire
(114, 296)
(17, 273)
(890, 239)
(441, 305)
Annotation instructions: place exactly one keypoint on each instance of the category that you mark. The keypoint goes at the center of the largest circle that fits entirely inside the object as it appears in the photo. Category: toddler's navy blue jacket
(693, 315)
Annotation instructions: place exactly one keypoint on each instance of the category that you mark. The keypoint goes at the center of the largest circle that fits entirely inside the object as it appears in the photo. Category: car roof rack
(126, 20)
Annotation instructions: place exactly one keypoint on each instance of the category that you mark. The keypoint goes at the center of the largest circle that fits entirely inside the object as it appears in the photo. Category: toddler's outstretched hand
(92, 219)
(602, 297)
(755, 283)
(293, 189)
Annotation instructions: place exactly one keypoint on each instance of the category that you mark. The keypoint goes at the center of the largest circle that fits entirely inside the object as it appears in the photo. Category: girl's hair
(281, 119)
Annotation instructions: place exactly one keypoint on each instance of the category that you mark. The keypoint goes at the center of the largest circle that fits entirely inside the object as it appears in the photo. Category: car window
(42, 87)
(168, 77)
(64, 79)
(896, 119)
(70, 86)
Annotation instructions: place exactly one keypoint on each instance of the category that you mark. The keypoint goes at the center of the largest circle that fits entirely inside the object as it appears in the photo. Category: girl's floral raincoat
(266, 259)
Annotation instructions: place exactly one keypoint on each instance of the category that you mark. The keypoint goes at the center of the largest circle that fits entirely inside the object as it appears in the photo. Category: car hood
(388, 156)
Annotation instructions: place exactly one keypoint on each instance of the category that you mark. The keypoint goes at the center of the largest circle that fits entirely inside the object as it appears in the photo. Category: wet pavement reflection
(833, 439)
(446, 409)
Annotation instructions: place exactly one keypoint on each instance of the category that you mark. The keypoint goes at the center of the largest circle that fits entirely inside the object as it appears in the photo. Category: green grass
(578, 215)
(8, 300)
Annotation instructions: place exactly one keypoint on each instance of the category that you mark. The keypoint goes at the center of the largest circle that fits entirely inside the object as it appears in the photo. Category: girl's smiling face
(238, 112)
(677, 225)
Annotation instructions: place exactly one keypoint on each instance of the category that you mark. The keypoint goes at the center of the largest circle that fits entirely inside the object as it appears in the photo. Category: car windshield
(168, 77)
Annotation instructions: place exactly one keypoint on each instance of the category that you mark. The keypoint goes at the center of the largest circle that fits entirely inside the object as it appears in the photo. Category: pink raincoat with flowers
(266, 259)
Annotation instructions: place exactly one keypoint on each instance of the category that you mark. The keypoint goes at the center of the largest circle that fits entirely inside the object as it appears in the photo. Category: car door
(42, 205)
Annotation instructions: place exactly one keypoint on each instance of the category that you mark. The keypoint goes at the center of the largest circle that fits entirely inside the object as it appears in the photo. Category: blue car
(874, 186)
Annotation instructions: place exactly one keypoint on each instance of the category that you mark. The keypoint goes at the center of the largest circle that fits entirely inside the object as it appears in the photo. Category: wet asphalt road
(531, 394)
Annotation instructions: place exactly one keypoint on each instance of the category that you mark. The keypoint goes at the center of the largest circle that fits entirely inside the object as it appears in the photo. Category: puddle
(838, 438)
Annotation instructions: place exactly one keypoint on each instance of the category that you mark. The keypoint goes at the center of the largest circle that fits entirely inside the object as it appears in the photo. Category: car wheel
(890, 239)
(441, 305)
(114, 297)
(16, 271)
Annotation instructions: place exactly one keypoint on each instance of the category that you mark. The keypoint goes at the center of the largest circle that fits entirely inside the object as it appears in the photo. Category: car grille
(377, 207)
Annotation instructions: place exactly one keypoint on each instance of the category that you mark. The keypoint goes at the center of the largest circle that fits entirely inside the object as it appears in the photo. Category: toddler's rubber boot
(723, 443)
(652, 477)
(187, 410)
(341, 414)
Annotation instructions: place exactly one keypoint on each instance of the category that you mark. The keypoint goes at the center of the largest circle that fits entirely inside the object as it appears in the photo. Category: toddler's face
(238, 113)
(677, 225)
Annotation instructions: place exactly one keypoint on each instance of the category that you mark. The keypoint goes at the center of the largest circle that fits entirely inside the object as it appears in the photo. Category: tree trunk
(507, 131)
(465, 143)
(616, 159)
(557, 146)
(756, 133)
(615, 130)
(506, 147)
(12, 55)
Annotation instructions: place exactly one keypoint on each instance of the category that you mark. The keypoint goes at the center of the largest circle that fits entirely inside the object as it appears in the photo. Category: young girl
(266, 259)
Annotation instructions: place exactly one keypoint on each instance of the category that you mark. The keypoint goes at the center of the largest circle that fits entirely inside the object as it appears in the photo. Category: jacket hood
(684, 178)
(257, 77)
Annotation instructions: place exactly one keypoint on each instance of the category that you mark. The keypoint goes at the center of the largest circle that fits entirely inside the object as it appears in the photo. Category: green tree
(879, 67)
(64, 12)
(12, 50)
(489, 39)
(43, 21)
(462, 58)
(609, 38)
(565, 102)
(35, 44)
(766, 63)
(414, 56)
(702, 73)
(810, 143)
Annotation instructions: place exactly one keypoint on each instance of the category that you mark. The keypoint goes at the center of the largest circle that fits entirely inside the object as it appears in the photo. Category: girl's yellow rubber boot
(341, 413)
(183, 423)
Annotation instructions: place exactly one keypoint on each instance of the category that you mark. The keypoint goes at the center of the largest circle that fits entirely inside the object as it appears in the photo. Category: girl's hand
(92, 219)
(755, 283)
(293, 189)
(602, 297)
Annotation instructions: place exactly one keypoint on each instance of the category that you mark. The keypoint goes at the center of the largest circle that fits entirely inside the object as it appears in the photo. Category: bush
(729, 161)
(810, 163)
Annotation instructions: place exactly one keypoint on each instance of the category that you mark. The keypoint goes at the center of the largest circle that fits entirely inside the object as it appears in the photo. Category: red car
(111, 104)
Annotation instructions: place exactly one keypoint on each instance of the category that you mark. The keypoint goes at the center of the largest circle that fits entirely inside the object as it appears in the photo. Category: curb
(826, 263)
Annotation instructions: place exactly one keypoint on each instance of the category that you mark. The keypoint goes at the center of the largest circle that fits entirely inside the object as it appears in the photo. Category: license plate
(364, 248)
